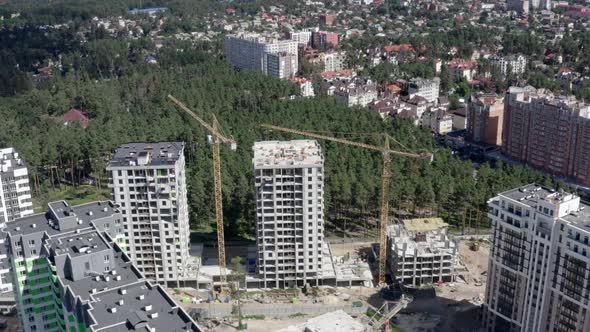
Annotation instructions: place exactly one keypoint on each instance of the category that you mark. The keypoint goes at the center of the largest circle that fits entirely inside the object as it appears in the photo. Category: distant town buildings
(323, 39)
(255, 52)
(15, 200)
(419, 252)
(70, 275)
(356, 92)
(548, 132)
(289, 189)
(148, 183)
(463, 69)
(537, 277)
(438, 120)
(519, 6)
(327, 20)
(485, 119)
(427, 89)
(305, 86)
(516, 64)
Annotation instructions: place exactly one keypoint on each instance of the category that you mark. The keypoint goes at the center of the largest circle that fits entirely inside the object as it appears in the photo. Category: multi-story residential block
(519, 6)
(548, 132)
(323, 39)
(420, 252)
(516, 64)
(15, 200)
(15, 192)
(438, 120)
(485, 119)
(333, 61)
(148, 183)
(303, 37)
(289, 186)
(327, 19)
(361, 95)
(70, 275)
(281, 65)
(427, 89)
(538, 272)
(250, 51)
(462, 69)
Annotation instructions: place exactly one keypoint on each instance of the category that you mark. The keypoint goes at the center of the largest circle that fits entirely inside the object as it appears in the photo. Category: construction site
(413, 276)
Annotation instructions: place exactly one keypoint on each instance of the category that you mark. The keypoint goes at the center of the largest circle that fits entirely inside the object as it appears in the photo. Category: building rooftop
(531, 194)
(424, 224)
(46, 222)
(287, 153)
(77, 244)
(125, 273)
(426, 242)
(142, 307)
(146, 154)
(10, 160)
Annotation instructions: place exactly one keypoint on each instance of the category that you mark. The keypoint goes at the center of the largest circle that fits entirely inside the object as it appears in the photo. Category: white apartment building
(15, 201)
(516, 62)
(302, 37)
(148, 183)
(289, 187)
(249, 51)
(333, 61)
(420, 252)
(427, 89)
(282, 65)
(539, 267)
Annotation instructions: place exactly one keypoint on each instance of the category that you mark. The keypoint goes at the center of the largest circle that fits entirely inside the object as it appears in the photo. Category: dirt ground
(262, 325)
(341, 249)
(456, 305)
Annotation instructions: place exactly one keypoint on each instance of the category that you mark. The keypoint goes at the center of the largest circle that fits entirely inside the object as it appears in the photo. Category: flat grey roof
(136, 314)
(530, 193)
(78, 244)
(100, 209)
(124, 268)
(161, 153)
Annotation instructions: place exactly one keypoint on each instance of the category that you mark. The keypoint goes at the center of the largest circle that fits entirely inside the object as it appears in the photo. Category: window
(87, 265)
(107, 258)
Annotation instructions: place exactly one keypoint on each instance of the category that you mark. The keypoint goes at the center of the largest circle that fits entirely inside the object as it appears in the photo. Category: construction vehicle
(215, 139)
(385, 177)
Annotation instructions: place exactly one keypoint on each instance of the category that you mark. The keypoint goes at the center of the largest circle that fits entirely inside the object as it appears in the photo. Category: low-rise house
(305, 86)
(75, 115)
(384, 107)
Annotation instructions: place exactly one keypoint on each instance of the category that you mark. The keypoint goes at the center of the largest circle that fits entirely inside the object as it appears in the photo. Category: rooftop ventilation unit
(120, 302)
(112, 310)
(122, 291)
(93, 291)
(89, 213)
(141, 297)
(153, 315)
(118, 278)
(148, 307)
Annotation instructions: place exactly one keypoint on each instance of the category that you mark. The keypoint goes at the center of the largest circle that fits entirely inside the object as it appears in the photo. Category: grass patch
(297, 314)
(72, 195)
(372, 313)
(254, 317)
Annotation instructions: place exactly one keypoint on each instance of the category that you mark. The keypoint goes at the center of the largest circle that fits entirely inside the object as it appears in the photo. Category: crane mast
(385, 178)
(216, 139)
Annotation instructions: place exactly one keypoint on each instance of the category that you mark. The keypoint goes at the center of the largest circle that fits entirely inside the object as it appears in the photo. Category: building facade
(249, 51)
(427, 89)
(548, 132)
(70, 275)
(282, 65)
(485, 119)
(539, 267)
(289, 186)
(15, 200)
(148, 183)
(515, 63)
(420, 252)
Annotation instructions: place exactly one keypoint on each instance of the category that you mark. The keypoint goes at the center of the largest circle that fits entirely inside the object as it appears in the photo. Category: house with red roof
(76, 115)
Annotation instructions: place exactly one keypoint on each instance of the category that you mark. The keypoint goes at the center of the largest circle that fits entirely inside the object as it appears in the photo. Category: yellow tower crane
(215, 139)
(385, 176)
